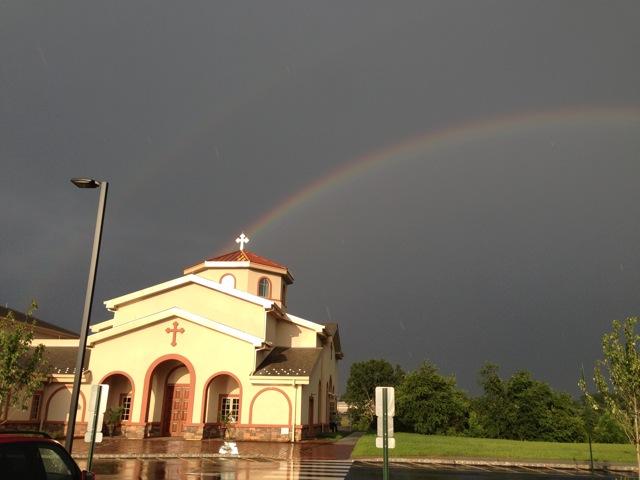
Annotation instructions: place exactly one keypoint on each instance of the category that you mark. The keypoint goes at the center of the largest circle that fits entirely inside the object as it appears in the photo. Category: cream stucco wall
(205, 350)
(19, 414)
(271, 406)
(211, 304)
(275, 280)
(54, 404)
(241, 276)
(56, 401)
(247, 280)
(292, 335)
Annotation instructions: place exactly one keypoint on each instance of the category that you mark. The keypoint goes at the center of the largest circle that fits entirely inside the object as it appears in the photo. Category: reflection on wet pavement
(223, 468)
(274, 469)
(175, 458)
(163, 446)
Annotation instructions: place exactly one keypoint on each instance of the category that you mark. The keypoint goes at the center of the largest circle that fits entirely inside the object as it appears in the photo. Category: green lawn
(415, 445)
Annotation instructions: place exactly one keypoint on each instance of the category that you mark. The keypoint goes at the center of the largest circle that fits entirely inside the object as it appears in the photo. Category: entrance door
(176, 405)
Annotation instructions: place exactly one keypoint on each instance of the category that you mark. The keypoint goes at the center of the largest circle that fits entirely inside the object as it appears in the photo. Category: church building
(211, 348)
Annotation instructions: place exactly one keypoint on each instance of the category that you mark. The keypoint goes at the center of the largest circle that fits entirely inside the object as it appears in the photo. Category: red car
(36, 456)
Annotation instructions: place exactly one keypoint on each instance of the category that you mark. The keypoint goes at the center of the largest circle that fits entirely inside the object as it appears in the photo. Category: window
(34, 413)
(264, 288)
(228, 280)
(125, 403)
(54, 465)
(229, 408)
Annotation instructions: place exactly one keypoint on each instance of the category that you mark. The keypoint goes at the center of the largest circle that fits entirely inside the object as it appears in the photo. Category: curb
(598, 466)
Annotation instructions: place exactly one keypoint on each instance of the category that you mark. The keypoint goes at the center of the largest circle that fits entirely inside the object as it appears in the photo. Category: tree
(522, 408)
(602, 426)
(488, 411)
(430, 403)
(22, 369)
(617, 379)
(364, 377)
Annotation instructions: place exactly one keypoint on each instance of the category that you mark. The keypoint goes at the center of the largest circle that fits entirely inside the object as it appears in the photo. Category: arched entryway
(168, 397)
(121, 391)
(222, 401)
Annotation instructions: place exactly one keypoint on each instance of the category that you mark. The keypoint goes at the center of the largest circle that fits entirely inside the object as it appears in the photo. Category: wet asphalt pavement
(273, 469)
(178, 459)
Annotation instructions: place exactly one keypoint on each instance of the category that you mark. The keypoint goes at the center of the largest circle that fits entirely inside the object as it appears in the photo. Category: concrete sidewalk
(168, 447)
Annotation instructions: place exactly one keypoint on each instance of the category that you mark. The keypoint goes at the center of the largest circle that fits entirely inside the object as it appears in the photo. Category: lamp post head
(85, 182)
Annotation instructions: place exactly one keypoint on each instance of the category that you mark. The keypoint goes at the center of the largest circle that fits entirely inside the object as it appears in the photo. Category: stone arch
(121, 386)
(222, 389)
(154, 403)
(83, 403)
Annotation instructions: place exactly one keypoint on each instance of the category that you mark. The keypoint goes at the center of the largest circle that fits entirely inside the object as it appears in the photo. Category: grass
(437, 446)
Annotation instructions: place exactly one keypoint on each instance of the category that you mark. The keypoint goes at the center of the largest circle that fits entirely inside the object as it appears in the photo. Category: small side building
(49, 406)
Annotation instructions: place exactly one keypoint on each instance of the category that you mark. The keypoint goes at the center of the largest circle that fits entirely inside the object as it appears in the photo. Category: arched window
(264, 288)
(228, 280)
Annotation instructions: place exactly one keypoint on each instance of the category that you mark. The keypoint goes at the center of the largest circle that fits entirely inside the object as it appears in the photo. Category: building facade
(213, 348)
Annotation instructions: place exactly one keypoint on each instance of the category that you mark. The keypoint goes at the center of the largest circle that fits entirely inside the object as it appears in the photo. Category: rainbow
(428, 142)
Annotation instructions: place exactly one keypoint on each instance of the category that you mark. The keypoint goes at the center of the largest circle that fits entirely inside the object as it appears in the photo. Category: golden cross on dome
(242, 239)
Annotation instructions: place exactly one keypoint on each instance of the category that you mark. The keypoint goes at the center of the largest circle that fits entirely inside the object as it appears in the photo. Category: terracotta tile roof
(245, 256)
(289, 362)
(43, 329)
(62, 360)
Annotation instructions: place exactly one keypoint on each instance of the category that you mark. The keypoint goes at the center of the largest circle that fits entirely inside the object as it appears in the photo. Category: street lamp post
(88, 300)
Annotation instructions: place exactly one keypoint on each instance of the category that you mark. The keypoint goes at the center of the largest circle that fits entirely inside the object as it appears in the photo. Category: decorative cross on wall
(242, 239)
(175, 330)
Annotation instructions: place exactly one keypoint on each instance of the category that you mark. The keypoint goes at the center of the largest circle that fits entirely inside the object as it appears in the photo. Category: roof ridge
(23, 317)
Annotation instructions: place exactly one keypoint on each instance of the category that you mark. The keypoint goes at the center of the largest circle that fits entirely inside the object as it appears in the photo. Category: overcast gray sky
(494, 214)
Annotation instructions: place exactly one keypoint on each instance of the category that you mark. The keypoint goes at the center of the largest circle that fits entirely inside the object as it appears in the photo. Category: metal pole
(590, 451)
(385, 436)
(84, 330)
(589, 422)
(94, 427)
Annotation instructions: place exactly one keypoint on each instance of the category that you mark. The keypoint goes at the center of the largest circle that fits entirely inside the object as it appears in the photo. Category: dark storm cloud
(205, 115)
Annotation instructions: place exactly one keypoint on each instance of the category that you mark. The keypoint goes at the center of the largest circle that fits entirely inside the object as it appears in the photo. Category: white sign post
(390, 411)
(385, 410)
(97, 407)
